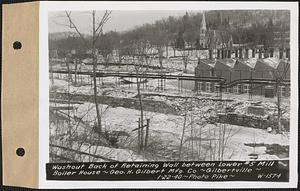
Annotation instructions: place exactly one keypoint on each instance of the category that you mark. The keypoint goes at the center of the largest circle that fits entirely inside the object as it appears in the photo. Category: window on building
(246, 88)
(287, 91)
(200, 86)
(282, 91)
(216, 87)
(227, 90)
(237, 89)
(208, 86)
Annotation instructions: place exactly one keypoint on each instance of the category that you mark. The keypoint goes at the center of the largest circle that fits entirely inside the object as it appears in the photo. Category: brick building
(245, 64)
(205, 68)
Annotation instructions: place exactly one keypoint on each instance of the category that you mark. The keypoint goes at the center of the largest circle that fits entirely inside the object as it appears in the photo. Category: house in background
(205, 68)
(272, 68)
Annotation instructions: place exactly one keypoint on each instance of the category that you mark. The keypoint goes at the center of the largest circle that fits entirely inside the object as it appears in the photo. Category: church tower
(203, 30)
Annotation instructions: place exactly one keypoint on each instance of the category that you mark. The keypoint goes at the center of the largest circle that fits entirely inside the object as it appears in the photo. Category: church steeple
(203, 24)
(203, 30)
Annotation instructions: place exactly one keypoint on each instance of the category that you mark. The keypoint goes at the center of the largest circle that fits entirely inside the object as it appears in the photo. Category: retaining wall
(132, 103)
(251, 121)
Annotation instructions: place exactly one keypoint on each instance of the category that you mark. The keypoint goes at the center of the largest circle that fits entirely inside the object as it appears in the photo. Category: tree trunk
(120, 60)
(185, 63)
(139, 136)
(142, 113)
(192, 135)
(279, 108)
(167, 50)
(147, 134)
(160, 58)
(106, 60)
(51, 74)
(182, 136)
(69, 105)
(94, 77)
(69, 77)
(76, 65)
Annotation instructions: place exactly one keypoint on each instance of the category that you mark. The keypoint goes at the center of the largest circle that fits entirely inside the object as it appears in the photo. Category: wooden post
(251, 87)
(178, 85)
(75, 73)
(90, 81)
(181, 86)
(158, 87)
(139, 136)
(220, 89)
(147, 133)
(51, 73)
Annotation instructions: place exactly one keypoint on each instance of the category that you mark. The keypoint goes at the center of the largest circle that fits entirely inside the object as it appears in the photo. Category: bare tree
(105, 45)
(122, 52)
(185, 54)
(184, 126)
(207, 139)
(91, 45)
(279, 75)
(143, 55)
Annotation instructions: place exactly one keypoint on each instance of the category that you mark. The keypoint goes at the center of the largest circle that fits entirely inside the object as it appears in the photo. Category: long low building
(261, 66)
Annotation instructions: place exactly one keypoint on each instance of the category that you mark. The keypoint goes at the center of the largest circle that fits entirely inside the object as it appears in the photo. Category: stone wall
(251, 121)
(132, 103)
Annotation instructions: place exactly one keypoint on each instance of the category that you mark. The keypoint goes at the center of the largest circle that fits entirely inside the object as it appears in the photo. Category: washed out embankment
(163, 107)
(132, 103)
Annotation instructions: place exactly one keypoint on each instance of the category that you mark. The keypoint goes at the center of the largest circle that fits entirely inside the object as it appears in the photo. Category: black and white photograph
(169, 85)
(150, 95)
(171, 94)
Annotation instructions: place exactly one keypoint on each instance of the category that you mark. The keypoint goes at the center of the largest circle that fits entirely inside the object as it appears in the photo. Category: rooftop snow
(272, 62)
(209, 62)
(251, 62)
(228, 62)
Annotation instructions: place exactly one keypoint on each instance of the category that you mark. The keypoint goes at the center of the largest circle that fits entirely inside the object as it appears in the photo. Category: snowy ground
(165, 134)
(201, 140)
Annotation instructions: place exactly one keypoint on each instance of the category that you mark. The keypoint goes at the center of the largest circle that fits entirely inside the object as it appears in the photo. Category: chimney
(229, 53)
(253, 52)
(241, 53)
(259, 53)
(210, 54)
(218, 54)
(247, 53)
(280, 53)
(236, 53)
(271, 52)
(288, 53)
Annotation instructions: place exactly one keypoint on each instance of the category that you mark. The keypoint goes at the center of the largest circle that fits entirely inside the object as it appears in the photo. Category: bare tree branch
(99, 28)
(73, 26)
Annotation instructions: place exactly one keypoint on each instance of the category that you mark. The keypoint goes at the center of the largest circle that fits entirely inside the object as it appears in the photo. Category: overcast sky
(120, 20)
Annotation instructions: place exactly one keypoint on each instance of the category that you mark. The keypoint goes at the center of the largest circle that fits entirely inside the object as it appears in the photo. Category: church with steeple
(203, 39)
(211, 38)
